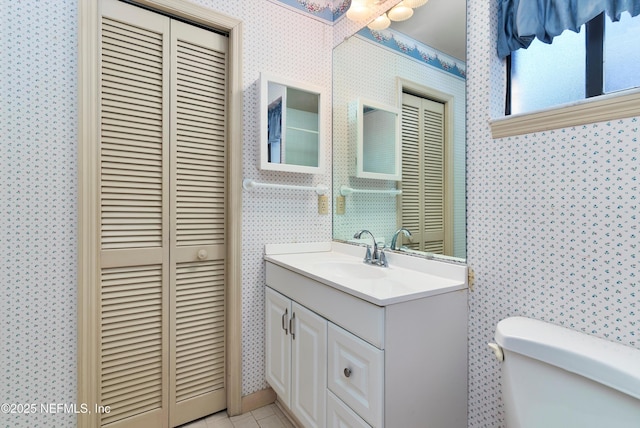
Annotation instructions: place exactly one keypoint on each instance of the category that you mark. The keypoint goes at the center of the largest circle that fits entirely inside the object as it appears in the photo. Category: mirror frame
(360, 143)
(265, 79)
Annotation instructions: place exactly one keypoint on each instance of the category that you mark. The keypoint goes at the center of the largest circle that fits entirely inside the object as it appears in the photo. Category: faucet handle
(367, 256)
(382, 258)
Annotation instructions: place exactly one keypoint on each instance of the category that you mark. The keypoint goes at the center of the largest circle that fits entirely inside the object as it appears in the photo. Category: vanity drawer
(339, 415)
(356, 374)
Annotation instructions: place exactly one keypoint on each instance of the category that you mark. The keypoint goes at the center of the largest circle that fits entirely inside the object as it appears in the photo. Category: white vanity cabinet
(296, 357)
(401, 364)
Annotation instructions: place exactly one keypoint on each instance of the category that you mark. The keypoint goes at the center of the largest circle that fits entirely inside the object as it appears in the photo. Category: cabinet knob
(347, 372)
(202, 254)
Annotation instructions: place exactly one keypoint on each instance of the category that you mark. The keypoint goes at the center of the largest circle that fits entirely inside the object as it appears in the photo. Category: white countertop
(340, 266)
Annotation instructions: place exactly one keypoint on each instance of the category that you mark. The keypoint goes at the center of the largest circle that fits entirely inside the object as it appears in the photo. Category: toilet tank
(554, 377)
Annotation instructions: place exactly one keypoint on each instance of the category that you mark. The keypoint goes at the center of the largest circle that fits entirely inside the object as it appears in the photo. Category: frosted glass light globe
(358, 10)
(380, 23)
(400, 12)
(414, 3)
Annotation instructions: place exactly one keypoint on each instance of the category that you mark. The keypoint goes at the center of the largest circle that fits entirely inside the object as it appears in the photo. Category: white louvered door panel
(423, 177)
(198, 189)
(412, 188)
(433, 176)
(132, 362)
(134, 216)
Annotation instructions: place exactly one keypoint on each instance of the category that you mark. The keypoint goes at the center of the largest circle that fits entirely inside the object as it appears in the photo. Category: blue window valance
(520, 21)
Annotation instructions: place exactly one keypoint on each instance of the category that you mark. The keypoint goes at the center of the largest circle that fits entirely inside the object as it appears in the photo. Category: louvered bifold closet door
(198, 151)
(412, 188)
(423, 184)
(133, 336)
(433, 170)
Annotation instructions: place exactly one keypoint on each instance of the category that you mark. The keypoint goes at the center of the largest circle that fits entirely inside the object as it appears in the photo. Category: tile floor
(269, 416)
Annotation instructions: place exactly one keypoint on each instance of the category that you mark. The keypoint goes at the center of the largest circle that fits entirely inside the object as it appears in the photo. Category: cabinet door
(278, 344)
(308, 367)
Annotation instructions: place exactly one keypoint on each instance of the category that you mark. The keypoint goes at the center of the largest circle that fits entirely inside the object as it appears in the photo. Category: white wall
(38, 189)
(552, 223)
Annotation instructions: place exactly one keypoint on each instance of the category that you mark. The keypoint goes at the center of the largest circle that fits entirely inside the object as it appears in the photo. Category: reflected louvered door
(162, 208)
(433, 176)
(423, 174)
(412, 188)
(198, 135)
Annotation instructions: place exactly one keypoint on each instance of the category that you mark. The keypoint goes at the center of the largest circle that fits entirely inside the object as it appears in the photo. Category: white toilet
(553, 377)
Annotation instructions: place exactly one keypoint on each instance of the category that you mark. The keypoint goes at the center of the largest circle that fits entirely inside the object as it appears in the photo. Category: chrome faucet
(375, 257)
(394, 240)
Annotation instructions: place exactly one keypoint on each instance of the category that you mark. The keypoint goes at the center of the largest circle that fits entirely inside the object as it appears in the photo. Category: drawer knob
(202, 254)
(347, 372)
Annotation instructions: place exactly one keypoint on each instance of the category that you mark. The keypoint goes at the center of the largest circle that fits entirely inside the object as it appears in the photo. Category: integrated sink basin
(341, 266)
(351, 269)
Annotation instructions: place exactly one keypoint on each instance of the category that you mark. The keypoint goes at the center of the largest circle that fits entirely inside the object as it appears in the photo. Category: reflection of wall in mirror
(364, 69)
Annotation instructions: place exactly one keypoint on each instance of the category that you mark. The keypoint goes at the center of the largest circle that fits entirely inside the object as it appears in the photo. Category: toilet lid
(609, 363)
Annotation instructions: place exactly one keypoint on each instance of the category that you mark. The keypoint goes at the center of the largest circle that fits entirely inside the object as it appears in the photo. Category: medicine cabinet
(378, 150)
(291, 126)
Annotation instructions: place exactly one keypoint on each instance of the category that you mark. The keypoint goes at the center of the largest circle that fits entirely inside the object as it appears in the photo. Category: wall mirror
(418, 67)
(377, 140)
(290, 126)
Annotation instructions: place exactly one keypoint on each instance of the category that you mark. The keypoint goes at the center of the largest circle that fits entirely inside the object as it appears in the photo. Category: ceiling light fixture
(362, 9)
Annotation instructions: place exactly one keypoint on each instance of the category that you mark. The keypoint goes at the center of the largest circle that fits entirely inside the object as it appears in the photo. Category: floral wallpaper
(328, 10)
(553, 223)
(420, 52)
(331, 11)
(38, 210)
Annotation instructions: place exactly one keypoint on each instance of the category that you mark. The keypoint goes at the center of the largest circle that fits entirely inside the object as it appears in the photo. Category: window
(602, 58)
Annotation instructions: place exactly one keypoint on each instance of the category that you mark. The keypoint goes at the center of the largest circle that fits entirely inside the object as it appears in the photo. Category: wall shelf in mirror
(291, 137)
(377, 137)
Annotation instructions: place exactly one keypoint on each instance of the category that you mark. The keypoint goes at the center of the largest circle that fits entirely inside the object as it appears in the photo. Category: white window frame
(602, 108)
